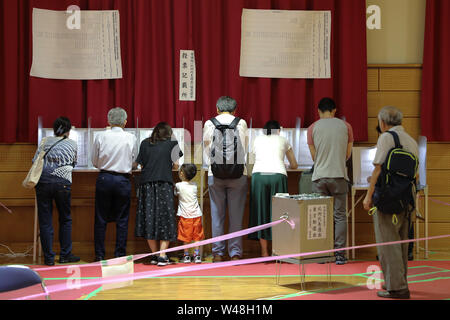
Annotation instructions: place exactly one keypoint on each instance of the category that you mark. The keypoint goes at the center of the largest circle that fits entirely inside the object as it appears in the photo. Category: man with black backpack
(392, 193)
(225, 145)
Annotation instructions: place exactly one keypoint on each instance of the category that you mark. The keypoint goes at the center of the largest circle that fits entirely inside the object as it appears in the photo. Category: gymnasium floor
(357, 280)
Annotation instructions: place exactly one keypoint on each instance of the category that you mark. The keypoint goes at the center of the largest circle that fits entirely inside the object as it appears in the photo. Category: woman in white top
(269, 177)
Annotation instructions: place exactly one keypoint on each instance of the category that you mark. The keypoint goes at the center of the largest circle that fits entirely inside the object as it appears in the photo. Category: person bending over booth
(269, 177)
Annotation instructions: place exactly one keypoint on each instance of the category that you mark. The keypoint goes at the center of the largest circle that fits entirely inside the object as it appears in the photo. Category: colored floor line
(364, 275)
(299, 294)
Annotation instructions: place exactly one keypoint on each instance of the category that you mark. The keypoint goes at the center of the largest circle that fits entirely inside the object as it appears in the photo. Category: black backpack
(227, 152)
(394, 191)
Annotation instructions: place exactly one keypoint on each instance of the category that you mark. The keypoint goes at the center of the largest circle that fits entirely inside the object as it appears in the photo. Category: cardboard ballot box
(314, 227)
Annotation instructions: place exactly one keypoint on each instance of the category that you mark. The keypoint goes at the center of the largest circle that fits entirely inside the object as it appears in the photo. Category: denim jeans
(232, 194)
(61, 194)
(112, 204)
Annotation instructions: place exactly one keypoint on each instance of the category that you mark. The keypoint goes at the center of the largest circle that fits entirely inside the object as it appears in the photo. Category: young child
(190, 224)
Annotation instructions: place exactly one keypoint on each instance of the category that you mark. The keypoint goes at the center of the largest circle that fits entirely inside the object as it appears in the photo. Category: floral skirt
(155, 216)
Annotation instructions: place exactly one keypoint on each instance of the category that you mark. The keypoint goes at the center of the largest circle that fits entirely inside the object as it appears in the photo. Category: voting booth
(85, 137)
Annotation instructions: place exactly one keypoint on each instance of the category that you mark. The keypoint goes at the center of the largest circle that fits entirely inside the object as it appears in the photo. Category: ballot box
(313, 231)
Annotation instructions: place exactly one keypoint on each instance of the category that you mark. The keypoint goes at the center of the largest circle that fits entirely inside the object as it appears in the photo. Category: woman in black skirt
(269, 177)
(156, 216)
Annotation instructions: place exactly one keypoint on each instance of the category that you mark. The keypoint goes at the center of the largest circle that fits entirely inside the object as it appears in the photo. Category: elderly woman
(55, 184)
(269, 177)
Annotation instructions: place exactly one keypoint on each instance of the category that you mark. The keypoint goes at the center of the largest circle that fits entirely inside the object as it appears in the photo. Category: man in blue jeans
(113, 153)
(226, 192)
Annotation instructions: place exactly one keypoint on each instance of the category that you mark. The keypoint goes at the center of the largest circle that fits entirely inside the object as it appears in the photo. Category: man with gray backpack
(390, 198)
(225, 139)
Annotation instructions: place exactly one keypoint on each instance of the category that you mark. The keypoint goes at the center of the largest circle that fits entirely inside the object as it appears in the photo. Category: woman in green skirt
(269, 177)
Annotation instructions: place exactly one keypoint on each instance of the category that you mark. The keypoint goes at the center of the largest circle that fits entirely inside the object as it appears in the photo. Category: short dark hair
(327, 104)
(271, 125)
(162, 132)
(61, 126)
(189, 170)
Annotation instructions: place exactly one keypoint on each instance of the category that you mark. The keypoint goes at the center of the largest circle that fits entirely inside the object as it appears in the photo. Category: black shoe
(98, 259)
(151, 261)
(163, 261)
(49, 263)
(410, 257)
(340, 260)
(401, 294)
(69, 259)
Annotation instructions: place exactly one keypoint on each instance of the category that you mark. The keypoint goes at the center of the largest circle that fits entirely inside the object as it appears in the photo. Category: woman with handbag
(55, 184)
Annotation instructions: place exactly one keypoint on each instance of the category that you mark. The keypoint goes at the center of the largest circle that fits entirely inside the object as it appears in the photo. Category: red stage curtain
(152, 33)
(436, 72)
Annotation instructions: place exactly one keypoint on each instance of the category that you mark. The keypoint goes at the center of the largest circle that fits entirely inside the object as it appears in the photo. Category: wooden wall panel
(438, 156)
(373, 79)
(400, 79)
(16, 157)
(439, 182)
(408, 102)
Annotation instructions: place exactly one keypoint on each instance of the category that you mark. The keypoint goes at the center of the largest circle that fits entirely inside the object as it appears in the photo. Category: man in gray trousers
(330, 141)
(226, 193)
(394, 258)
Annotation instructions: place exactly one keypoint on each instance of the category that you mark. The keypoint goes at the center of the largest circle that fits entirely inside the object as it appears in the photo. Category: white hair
(391, 116)
(117, 117)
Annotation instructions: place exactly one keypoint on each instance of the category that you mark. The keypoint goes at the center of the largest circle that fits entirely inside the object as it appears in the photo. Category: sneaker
(152, 260)
(217, 258)
(197, 259)
(187, 259)
(163, 261)
(340, 260)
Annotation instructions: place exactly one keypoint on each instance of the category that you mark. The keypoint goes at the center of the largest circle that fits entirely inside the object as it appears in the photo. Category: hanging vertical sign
(187, 75)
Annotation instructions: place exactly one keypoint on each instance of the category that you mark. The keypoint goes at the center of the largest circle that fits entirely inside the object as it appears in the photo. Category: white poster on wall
(187, 75)
(63, 49)
(286, 44)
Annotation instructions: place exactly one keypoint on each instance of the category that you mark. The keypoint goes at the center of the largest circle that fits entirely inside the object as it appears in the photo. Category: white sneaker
(198, 259)
(187, 259)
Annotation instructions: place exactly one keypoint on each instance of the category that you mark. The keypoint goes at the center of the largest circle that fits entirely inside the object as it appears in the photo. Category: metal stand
(302, 268)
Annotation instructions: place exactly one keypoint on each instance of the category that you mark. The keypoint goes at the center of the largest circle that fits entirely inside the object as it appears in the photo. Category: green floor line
(328, 290)
(92, 294)
(299, 294)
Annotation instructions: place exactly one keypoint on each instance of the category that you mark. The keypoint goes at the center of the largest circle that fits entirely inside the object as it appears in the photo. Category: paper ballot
(88, 53)
(286, 44)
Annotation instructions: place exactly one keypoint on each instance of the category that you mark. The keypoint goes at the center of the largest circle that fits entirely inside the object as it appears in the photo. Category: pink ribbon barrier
(197, 244)
(208, 266)
(5, 207)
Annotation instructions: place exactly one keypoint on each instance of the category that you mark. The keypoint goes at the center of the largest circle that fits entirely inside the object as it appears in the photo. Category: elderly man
(330, 141)
(113, 153)
(226, 191)
(393, 258)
